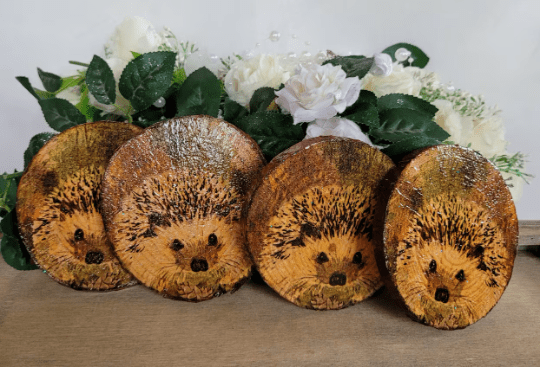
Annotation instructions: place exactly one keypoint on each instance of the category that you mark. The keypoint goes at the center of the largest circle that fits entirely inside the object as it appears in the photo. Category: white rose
(133, 34)
(117, 66)
(246, 76)
(201, 59)
(459, 127)
(487, 136)
(382, 65)
(318, 92)
(401, 80)
(336, 126)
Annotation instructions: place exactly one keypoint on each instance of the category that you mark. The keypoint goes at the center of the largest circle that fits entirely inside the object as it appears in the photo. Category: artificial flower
(72, 94)
(134, 34)
(382, 65)
(318, 92)
(246, 76)
(122, 105)
(459, 127)
(401, 80)
(336, 126)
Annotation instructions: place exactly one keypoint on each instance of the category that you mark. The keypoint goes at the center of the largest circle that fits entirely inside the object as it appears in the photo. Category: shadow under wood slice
(58, 207)
(313, 222)
(450, 236)
(174, 202)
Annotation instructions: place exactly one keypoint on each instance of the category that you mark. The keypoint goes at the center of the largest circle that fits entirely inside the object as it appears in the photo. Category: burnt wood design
(175, 201)
(450, 235)
(58, 207)
(315, 219)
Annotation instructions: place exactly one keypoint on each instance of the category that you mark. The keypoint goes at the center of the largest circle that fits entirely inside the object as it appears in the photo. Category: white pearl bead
(402, 54)
(160, 102)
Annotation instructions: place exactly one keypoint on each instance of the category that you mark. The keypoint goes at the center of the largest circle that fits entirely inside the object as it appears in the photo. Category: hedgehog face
(69, 238)
(318, 252)
(460, 273)
(188, 233)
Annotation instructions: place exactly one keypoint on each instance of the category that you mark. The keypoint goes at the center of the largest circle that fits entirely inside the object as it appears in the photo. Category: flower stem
(79, 63)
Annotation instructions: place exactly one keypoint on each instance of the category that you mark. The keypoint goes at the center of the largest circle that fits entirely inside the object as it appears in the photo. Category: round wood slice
(313, 222)
(174, 202)
(58, 207)
(450, 236)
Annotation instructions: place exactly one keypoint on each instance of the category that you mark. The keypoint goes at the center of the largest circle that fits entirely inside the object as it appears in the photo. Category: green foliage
(398, 100)
(233, 111)
(273, 131)
(200, 94)
(60, 114)
(146, 78)
(28, 86)
(261, 99)
(100, 81)
(420, 59)
(12, 248)
(353, 65)
(364, 111)
(50, 81)
(36, 143)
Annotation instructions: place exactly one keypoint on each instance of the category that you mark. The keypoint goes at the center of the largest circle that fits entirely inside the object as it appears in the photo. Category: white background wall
(484, 46)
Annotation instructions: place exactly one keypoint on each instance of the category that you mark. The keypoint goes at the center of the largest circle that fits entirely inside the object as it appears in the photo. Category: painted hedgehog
(453, 265)
(184, 230)
(318, 251)
(69, 239)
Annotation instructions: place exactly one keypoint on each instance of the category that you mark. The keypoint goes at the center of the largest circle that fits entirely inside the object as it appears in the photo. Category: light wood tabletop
(43, 323)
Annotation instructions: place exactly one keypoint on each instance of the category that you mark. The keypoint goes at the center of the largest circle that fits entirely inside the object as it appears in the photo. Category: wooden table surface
(43, 323)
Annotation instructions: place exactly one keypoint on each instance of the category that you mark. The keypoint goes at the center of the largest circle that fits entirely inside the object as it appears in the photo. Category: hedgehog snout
(198, 264)
(338, 279)
(442, 295)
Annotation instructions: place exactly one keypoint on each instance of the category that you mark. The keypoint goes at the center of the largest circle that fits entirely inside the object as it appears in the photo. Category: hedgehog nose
(338, 279)
(442, 295)
(199, 265)
(94, 257)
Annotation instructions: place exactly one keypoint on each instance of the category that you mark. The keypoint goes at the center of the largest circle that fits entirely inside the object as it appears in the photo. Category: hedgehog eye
(212, 240)
(176, 245)
(357, 258)
(322, 258)
(433, 266)
(460, 275)
(79, 235)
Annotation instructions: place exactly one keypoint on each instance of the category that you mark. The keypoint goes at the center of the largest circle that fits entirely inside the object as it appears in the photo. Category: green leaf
(85, 107)
(13, 250)
(420, 59)
(27, 85)
(135, 54)
(409, 144)
(391, 101)
(273, 131)
(146, 78)
(364, 111)
(8, 193)
(261, 99)
(36, 143)
(100, 81)
(60, 114)
(199, 94)
(402, 123)
(353, 65)
(51, 82)
(233, 111)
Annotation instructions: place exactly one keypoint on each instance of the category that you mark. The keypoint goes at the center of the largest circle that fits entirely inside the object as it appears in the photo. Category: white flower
(459, 127)
(134, 34)
(336, 126)
(382, 65)
(72, 94)
(246, 76)
(117, 66)
(201, 59)
(318, 92)
(487, 136)
(401, 80)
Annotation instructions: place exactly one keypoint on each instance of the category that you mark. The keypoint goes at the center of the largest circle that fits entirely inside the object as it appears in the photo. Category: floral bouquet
(143, 76)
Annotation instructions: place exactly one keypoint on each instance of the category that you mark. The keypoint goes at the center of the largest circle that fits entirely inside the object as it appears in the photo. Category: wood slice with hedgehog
(175, 201)
(315, 220)
(450, 236)
(58, 207)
